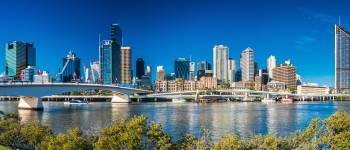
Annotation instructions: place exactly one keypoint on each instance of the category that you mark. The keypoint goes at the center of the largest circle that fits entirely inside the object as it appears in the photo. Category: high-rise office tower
(286, 73)
(220, 58)
(106, 62)
(160, 73)
(28, 73)
(126, 72)
(19, 55)
(271, 64)
(117, 42)
(140, 68)
(342, 59)
(71, 68)
(192, 71)
(182, 68)
(201, 67)
(232, 70)
(247, 65)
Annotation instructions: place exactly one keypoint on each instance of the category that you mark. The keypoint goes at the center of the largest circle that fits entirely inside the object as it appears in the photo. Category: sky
(159, 31)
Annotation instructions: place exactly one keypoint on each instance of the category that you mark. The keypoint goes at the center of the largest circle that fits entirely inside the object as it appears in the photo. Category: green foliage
(157, 137)
(73, 140)
(123, 134)
(135, 133)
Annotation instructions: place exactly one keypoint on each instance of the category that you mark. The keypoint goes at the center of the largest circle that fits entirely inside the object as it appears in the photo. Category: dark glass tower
(182, 68)
(19, 55)
(140, 68)
(202, 66)
(71, 68)
(342, 59)
(116, 38)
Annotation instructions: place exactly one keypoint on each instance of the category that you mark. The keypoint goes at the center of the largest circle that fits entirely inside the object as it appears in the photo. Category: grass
(3, 147)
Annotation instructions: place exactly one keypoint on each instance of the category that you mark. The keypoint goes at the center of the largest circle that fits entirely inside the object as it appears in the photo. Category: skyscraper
(220, 59)
(182, 68)
(148, 71)
(140, 68)
(160, 73)
(126, 75)
(106, 62)
(117, 42)
(247, 65)
(342, 59)
(71, 68)
(95, 72)
(192, 70)
(271, 64)
(19, 55)
(232, 70)
(201, 67)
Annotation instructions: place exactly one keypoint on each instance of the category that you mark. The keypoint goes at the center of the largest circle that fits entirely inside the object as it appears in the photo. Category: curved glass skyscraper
(342, 59)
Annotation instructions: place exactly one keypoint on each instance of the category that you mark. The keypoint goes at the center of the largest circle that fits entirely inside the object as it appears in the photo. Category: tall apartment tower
(247, 65)
(271, 64)
(19, 55)
(232, 70)
(140, 68)
(342, 59)
(117, 42)
(160, 73)
(126, 72)
(220, 62)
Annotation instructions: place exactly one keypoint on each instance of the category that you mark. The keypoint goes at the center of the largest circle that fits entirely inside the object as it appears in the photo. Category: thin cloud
(315, 15)
(305, 40)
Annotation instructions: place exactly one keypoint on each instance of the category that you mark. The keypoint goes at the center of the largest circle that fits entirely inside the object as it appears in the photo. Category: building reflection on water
(178, 119)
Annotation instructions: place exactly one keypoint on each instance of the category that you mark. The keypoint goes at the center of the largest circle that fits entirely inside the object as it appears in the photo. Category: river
(242, 119)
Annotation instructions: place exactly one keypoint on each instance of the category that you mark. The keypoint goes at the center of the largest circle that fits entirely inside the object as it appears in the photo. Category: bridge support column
(121, 98)
(26, 102)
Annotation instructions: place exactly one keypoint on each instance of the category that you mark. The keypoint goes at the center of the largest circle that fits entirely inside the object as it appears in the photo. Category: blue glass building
(117, 42)
(71, 68)
(106, 61)
(18, 55)
(182, 68)
(342, 59)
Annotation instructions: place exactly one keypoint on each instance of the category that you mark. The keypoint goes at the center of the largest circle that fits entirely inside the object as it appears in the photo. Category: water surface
(242, 119)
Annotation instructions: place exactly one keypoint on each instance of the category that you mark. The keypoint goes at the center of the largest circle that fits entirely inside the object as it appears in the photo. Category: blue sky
(161, 30)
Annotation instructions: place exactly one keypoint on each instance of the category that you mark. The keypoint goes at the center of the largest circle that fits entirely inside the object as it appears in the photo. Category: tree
(157, 137)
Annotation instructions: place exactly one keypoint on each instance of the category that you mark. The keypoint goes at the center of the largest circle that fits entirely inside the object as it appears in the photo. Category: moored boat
(75, 101)
(287, 100)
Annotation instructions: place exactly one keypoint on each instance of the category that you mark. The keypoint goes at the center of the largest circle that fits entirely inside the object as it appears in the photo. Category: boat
(248, 99)
(75, 101)
(178, 100)
(268, 100)
(287, 100)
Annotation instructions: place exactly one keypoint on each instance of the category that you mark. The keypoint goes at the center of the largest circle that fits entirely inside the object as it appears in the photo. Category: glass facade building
(342, 59)
(18, 55)
(140, 68)
(71, 68)
(220, 62)
(106, 61)
(182, 68)
(117, 42)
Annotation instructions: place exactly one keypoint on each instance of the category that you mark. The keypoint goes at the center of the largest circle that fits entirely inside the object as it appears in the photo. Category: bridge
(239, 94)
(31, 93)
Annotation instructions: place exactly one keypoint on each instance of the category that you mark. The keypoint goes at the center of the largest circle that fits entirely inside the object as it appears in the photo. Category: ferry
(178, 100)
(287, 100)
(74, 102)
(268, 100)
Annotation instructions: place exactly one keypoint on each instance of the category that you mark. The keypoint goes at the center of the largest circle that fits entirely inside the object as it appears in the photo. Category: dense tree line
(137, 133)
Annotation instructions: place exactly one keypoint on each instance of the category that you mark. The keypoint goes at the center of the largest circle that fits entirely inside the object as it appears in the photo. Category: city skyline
(84, 41)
